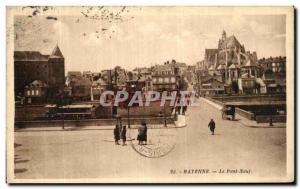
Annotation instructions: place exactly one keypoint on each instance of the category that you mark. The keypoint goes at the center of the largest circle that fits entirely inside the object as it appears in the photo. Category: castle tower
(56, 64)
(56, 53)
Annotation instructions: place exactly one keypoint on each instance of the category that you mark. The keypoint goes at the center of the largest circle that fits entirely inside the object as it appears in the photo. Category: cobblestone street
(91, 153)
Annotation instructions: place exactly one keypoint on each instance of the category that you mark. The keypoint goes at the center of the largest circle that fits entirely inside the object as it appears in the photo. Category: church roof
(211, 51)
(56, 53)
(231, 42)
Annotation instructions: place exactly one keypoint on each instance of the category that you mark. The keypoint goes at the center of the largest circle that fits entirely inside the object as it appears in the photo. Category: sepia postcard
(160, 94)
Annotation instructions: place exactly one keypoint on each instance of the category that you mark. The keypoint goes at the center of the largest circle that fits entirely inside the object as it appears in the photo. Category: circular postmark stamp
(160, 141)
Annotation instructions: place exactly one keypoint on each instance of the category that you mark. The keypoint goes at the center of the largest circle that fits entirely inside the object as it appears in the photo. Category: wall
(241, 112)
(252, 98)
(90, 122)
(29, 112)
(275, 119)
(35, 112)
(244, 113)
(144, 111)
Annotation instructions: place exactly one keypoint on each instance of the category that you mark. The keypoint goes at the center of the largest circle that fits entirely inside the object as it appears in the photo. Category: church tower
(223, 35)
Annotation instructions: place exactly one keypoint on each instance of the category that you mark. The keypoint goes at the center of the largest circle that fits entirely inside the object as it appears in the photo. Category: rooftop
(231, 42)
(36, 55)
(30, 56)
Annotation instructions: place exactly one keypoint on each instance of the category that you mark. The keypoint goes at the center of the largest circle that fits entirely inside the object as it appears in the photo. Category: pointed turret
(223, 35)
(56, 53)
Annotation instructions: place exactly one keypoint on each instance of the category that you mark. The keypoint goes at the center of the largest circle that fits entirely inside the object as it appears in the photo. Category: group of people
(180, 107)
(121, 134)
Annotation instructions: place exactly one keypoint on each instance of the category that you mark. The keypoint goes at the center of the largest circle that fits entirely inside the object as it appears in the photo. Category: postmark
(160, 141)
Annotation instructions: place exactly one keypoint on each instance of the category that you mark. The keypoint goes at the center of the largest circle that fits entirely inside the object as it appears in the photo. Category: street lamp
(271, 118)
(165, 119)
(128, 119)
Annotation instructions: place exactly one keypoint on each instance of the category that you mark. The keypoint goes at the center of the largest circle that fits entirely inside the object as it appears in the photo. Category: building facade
(163, 78)
(211, 87)
(274, 73)
(32, 65)
(35, 92)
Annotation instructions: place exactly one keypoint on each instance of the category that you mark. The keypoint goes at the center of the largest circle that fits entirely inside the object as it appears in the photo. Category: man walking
(212, 126)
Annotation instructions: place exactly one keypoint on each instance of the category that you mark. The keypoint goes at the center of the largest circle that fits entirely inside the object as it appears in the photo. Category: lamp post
(128, 119)
(63, 125)
(60, 103)
(165, 119)
(271, 118)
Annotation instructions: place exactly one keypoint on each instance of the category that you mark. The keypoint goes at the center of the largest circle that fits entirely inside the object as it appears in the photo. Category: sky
(146, 36)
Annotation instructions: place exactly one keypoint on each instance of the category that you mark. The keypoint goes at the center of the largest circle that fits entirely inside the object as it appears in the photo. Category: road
(91, 154)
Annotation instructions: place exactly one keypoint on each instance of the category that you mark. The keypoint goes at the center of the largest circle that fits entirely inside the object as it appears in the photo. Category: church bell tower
(223, 35)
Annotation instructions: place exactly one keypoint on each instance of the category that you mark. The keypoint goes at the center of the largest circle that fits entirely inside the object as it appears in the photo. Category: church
(237, 68)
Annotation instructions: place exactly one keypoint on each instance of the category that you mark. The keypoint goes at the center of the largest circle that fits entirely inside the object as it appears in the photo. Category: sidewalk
(244, 121)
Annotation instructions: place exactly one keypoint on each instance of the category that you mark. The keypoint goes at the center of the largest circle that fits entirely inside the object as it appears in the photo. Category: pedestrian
(212, 126)
(123, 135)
(144, 134)
(140, 134)
(117, 134)
(184, 108)
(233, 113)
(178, 108)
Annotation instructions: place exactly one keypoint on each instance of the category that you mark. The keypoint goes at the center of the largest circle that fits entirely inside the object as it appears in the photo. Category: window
(160, 80)
(28, 92)
(37, 92)
(32, 92)
(173, 79)
(154, 80)
(167, 80)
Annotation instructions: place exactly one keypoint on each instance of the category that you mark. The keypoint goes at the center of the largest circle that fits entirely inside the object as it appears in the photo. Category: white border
(103, 2)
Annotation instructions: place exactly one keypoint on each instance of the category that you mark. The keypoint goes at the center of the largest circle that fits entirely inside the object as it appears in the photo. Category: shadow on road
(18, 159)
(20, 170)
(114, 141)
(17, 145)
(21, 161)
